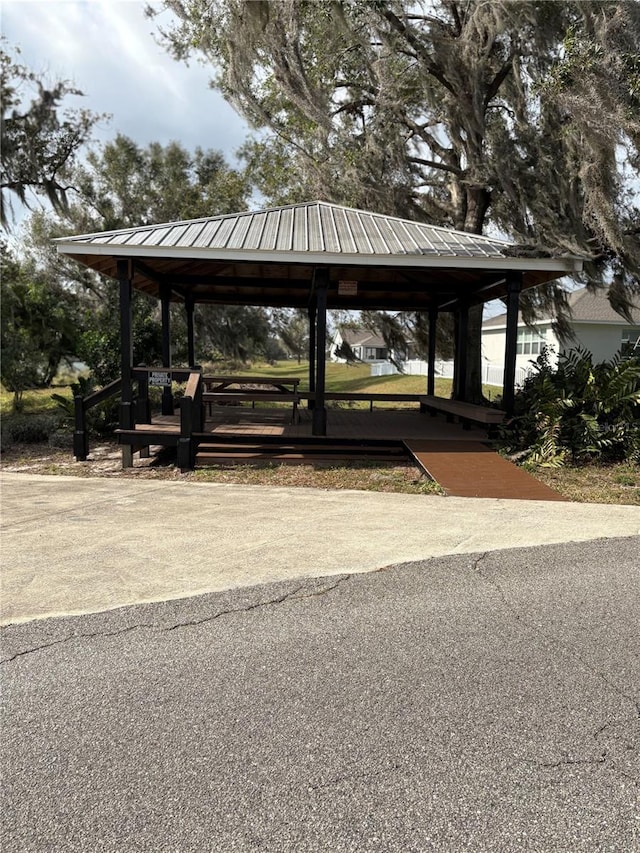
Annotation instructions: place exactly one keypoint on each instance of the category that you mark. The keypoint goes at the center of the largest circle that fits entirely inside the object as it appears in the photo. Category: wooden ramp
(470, 469)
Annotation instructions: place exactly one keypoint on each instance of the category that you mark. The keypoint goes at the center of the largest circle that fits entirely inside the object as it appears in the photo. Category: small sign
(347, 288)
(160, 379)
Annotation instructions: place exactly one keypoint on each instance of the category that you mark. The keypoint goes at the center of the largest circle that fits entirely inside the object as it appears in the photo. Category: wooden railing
(356, 397)
(81, 406)
(191, 420)
(142, 374)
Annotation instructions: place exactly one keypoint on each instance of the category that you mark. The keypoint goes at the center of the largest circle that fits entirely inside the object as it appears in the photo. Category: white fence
(492, 374)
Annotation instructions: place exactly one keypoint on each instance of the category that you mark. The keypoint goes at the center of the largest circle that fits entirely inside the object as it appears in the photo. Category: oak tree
(40, 135)
(521, 118)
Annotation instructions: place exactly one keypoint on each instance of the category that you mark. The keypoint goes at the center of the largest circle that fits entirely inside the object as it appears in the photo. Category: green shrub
(61, 438)
(102, 419)
(28, 429)
(576, 412)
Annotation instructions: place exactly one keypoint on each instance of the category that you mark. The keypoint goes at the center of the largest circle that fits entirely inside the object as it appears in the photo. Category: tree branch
(419, 48)
(432, 164)
(498, 80)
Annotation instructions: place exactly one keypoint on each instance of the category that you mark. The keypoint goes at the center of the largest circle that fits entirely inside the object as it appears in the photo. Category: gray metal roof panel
(314, 227)
(193, 232)
(300, 231)
(237, 237)
(270, 232)
(285, 230)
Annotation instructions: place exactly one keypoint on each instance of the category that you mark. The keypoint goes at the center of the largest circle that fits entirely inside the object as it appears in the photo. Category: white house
(366, 345)
(596, 326)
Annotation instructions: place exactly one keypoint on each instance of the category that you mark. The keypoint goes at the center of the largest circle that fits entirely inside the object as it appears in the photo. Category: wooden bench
(467, 413)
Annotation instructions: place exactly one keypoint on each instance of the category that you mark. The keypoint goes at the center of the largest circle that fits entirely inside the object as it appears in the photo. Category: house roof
(362, 337)
(586, 307)
(267, 257)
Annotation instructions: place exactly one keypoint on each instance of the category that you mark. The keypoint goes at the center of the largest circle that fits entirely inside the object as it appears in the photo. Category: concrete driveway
(315, 695)
(73, 545)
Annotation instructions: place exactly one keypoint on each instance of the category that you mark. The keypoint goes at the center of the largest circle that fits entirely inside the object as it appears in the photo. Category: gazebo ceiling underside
(283, 283)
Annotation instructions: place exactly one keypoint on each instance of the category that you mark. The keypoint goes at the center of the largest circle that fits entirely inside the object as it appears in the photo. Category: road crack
(353, 777)
(293, 595)
(289, 596)
(565, 761)
(70, 637)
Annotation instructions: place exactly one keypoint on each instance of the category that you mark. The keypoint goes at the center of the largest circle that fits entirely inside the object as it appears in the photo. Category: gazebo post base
(319, 422)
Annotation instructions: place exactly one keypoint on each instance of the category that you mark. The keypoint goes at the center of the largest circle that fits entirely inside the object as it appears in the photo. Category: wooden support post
(431, 375)
(127, 420)
(321, 285)
(312, 351)
(189, 305)
(165, 304)
(514, 286)
(462, 331)
(184, 450)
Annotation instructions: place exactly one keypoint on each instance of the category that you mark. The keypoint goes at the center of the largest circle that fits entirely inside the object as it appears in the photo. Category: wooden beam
(165, 305)
(431, 375)
(514, 286)
(320, 284)
(312, 350)
(126, 355)
(189, 306)
(460, 366)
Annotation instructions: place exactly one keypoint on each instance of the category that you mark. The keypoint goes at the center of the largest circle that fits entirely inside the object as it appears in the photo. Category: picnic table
(251, 389)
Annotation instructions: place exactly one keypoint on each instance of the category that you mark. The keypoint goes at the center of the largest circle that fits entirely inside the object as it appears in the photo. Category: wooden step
(275, 449)
(294, 447)
(239, 438)
(301, 458)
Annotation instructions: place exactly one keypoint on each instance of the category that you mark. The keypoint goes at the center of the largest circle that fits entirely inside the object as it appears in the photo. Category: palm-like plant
(577, 411)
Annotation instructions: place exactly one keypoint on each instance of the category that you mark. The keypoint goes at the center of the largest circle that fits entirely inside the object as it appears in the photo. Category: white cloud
(106, 49)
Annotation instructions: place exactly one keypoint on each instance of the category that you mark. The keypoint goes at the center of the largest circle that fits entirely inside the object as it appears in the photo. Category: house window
(530, 342)
(369, 353)
(630, 340)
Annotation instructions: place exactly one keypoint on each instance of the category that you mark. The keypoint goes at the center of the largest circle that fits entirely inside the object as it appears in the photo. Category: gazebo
(314, 256)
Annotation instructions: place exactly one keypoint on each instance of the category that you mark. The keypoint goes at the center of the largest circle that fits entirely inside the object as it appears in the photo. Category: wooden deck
(460, 461)
(341, 423)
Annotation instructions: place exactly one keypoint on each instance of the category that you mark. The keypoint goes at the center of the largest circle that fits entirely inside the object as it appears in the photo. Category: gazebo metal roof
(267, 257)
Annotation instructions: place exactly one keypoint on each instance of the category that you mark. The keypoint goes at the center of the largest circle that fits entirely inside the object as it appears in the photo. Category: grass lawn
(36, 402)
(356, 378)
(604, 484)
(615, 484)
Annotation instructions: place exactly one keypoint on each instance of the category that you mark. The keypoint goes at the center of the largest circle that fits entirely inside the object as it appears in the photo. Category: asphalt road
(481, 702)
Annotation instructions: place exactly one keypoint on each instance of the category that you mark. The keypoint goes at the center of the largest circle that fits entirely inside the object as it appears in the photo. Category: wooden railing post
(184, 452)
(198, 406)
(80, 439)
(143, 407)
(191, 420)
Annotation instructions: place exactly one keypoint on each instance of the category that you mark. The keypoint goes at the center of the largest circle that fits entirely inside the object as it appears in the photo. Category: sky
(106, 49)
